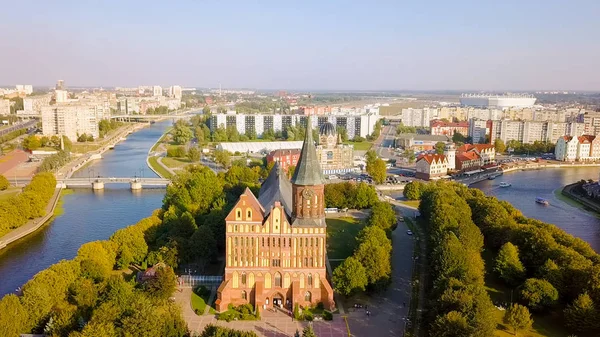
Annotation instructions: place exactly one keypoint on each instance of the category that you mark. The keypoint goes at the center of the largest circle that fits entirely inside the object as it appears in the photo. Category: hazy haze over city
(358, 45)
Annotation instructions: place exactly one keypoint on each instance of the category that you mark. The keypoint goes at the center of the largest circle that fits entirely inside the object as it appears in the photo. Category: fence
(196, 280)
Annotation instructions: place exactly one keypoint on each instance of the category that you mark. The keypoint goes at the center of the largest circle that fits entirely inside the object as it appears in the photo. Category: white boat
(505, 184)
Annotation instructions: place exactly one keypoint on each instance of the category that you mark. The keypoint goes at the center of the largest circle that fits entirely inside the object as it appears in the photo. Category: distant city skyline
(337, 45)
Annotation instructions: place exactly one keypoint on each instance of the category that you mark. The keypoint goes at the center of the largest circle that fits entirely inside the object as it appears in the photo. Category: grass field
(341, 237)
(411, 203)
(158, 168)
(199, 299)
(360, 146)
(544, 325)
(175, 162)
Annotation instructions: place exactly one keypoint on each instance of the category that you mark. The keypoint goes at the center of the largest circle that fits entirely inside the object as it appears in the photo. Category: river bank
(33, 224)
(585, 203)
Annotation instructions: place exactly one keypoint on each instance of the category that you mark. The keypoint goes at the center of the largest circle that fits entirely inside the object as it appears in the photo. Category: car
(409, 232)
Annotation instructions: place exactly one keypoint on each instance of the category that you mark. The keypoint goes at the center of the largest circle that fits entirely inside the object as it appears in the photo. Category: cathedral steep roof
(308, 171)
(276, 187)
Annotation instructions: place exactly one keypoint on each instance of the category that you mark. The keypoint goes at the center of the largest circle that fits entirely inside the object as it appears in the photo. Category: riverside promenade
(33, 224)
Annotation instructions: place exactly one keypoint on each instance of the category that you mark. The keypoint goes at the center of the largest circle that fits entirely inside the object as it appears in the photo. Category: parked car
(409, 232)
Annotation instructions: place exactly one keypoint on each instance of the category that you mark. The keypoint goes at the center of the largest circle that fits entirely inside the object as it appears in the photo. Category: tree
(439, 147)
(518, 317)
(222, 157)
(4, 184)
(377, 170)
(291, 170)
(458, 137)
(68, 145)
(193, 154)
(204, 244)
(343, 133)
(163, 284)
(181, 132)
(538, 294)
(206, 110)
(32, 142)
(410, 155)
(14, 317)
(582, 314)
(371, 156)
(452, 324)
(499, 145)
(382, 216)
(508, 265)
(232, 133)
(413, 190)
(373, 253)
(308, 331)
(349, 277)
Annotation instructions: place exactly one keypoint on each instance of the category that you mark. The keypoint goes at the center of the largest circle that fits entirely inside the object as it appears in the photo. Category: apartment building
(4, 107)
(157, 91)
(73, 119)
(175, 91)
(478, 129)
(566, 148)
(32, 106)
(439, 128)
(418, 117)
(591, 122)
(484, 114)
(582, 148)
(528, 132)
(356, 125)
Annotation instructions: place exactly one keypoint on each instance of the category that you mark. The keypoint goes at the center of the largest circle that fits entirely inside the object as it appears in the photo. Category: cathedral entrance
(278, 300)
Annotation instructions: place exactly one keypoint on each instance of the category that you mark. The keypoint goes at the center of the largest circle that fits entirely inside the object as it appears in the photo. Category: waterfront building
(450, 153)
(431, 166)
(478, 129)
(276, 243)
(73, 119)
(566, 148)
(440, 128)
(468, 161)
(355, 124)
(582, 148)
(487, 152)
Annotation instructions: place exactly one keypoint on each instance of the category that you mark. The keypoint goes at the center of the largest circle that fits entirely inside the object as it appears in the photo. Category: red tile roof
(567, 138)
(586, 138)
(282, 152)
(481, 147)
(465, 156)
(438, 123)
(433, 157)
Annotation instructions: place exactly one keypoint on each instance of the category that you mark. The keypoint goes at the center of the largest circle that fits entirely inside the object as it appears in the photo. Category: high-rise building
(276, 243)
(61, 96)
(4, 107)
(418, 117)
(60, 85)
(175, 92)
(157, 91)
(528, 132)
(73, 119)
(478, 129)
(592, 123)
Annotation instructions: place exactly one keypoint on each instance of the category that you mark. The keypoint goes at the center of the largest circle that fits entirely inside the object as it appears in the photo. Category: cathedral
(334, 156)
(276, 243)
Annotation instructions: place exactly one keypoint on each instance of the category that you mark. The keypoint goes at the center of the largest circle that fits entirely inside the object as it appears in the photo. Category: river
(88, 215)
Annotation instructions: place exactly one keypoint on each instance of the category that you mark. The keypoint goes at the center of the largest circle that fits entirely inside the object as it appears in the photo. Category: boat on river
(505, 184)
(542, 201)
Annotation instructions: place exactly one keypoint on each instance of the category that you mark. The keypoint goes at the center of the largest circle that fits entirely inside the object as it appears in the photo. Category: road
(19, 126)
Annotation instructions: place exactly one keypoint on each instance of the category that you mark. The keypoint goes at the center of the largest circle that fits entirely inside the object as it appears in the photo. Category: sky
(302, 45)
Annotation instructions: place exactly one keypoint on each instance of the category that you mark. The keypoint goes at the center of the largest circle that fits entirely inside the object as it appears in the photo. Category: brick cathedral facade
(276, 243)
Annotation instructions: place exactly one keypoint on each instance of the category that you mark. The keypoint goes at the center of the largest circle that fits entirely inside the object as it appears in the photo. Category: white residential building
(73, 119)
(175, 92)
(450, 153)
(418, 117)
(4, 107)
(566, 148)
(528, 132)
(157, 91)
(26, 89)
(478, 130)
(61, 96)
(32, 106)
(484, 114)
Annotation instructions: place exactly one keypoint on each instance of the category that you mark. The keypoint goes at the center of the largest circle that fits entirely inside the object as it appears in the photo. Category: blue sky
(332, 45)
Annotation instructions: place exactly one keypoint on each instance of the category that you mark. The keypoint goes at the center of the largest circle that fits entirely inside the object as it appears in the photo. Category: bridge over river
(98, 183)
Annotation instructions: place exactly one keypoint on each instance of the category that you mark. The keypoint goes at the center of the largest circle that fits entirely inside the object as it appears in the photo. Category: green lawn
(544, 325)
(199, 298)
(411, 203)
(156, 166)
(360, 146)
(175, 162)
(341, 236)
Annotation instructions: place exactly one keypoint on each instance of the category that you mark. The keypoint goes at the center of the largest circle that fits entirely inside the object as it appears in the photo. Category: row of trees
(370, 265)
(12, 135)
(551, 270)
(460, 305)
(30, 203)
(350, 195)
(105, 126)
(54, 162)
(536, 148)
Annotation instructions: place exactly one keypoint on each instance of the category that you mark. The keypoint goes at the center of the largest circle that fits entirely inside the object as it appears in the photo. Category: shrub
(327, 315)
(176, 151)
(308, 316)
(4, 184)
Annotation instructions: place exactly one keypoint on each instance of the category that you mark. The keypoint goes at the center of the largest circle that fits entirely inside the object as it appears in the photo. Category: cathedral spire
(308, 171)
